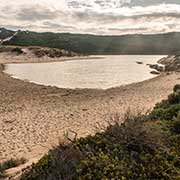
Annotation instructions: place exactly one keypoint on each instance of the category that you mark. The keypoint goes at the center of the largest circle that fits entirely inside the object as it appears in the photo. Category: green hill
(4, 33)
(91, 44)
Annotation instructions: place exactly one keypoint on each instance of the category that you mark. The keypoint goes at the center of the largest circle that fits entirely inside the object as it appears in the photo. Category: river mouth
(101, 73)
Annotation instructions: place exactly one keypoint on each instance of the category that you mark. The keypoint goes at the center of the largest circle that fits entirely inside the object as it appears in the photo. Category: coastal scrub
(145, 147)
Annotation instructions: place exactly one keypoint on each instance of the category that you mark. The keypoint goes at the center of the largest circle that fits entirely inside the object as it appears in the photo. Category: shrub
(174, 98)
(17, 50)
(165, 113)
(58, 164)
(167, 109)
(175, 127)
(10, 164)
(136, 149)
(38, 169)
(177, 88)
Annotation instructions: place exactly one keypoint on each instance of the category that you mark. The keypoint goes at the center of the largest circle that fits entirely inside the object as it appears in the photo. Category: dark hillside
(4, 33)
(91, 44)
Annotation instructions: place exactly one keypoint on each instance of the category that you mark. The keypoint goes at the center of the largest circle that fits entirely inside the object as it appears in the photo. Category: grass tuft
(11, 163)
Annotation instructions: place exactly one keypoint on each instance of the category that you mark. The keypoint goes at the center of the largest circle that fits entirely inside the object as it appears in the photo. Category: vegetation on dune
(38, 51)
(11, 163)
(142, 148)
(51, 52)
(17, 50)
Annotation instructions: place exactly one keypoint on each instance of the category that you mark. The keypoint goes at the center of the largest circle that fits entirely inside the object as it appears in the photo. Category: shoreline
(7, 58)
(35, 117)
(54, 60)
(2, 69)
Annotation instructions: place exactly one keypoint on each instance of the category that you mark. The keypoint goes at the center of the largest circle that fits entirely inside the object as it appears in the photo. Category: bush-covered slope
(37, 51)
(142, 148)
(91, 44)
(4, 33)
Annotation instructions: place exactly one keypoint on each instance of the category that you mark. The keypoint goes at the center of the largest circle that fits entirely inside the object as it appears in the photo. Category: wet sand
(34, 118)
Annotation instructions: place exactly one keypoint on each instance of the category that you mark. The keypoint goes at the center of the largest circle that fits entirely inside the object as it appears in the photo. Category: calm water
(111, 71)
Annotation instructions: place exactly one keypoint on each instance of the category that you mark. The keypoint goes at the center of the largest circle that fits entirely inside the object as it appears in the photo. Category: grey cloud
(85, 16)
(76, 4)
(88, 15)
(51, 25)
(36, 13)
(155, 15)
(18, 27)
(142, 29)
(105, 3)
(94, 16)
(120, 3)
(150, 2)
(128, 29)
(112, 3)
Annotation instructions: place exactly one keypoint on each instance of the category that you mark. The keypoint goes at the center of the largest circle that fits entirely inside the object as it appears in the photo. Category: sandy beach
(34, 118)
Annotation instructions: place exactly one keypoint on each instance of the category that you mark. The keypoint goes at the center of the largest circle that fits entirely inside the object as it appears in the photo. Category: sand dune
(33, 118)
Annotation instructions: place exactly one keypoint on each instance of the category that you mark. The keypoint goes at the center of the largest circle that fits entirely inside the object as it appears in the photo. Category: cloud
(150, 2)
(61, 27)
(36, 13)
(92, 16)
(135, 14)
(112, 3)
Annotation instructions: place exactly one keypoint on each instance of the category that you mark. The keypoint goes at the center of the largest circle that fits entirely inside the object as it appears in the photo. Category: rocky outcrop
(169, 63)
(172, 63)
(139, 62)
(157, 67)
(155, 72)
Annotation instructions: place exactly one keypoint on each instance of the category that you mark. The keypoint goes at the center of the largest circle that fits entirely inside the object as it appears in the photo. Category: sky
(102, 17)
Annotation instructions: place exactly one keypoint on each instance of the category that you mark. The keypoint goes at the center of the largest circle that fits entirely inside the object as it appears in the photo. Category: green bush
(177, 88)
(166, 113)
(37, 169)
(167, 109)
(174, 98)
(58, 164)
(11, 163)
(175, 126)
(17, 50)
